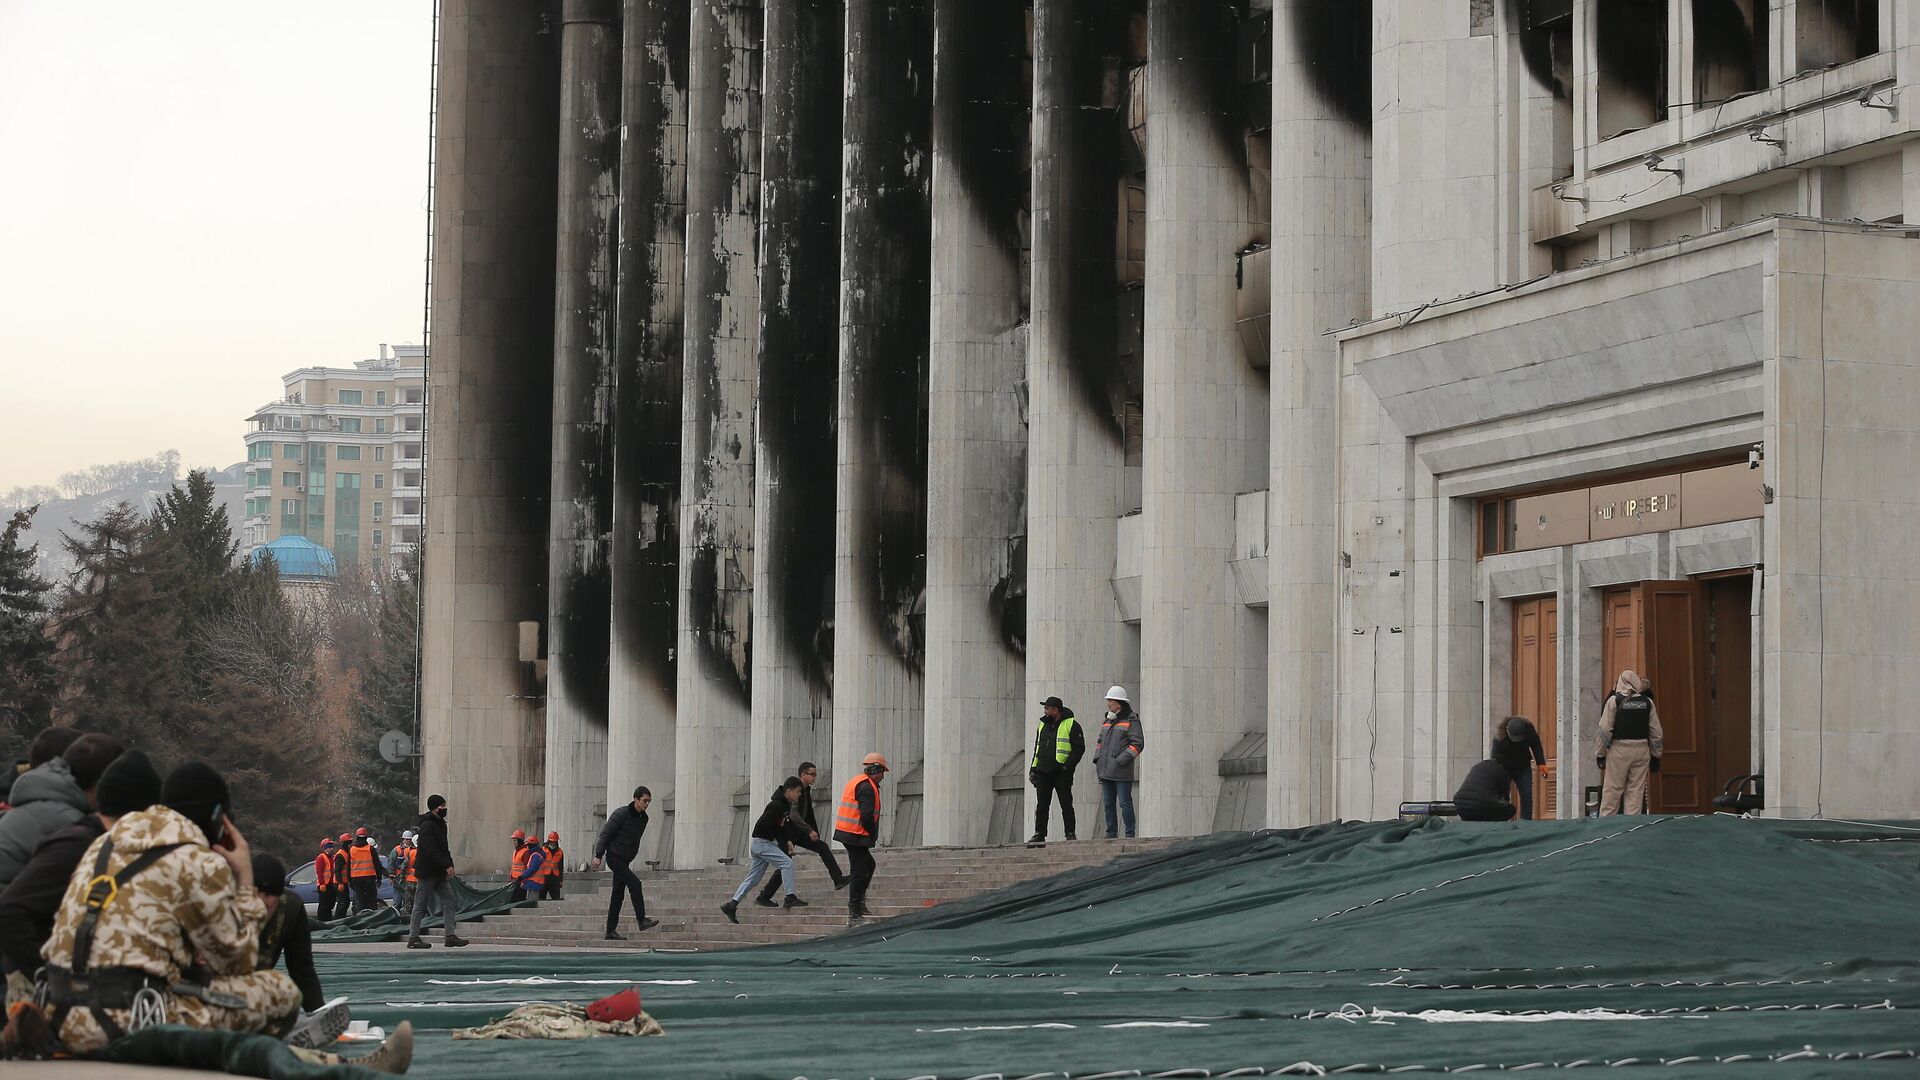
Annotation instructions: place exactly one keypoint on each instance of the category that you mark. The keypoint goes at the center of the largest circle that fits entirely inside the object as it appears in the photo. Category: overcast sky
(197, 196)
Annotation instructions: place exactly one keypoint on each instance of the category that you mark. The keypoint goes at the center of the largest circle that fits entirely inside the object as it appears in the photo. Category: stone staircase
(687, 902)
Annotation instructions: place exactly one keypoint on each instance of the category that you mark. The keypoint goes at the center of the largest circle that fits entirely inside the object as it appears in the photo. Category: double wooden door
(1536, 658)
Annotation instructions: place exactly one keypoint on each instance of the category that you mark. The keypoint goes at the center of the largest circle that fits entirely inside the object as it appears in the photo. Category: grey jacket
(44, 800)
(1121, 741)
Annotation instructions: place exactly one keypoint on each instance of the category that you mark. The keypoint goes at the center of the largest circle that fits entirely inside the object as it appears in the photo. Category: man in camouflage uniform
(193, 905)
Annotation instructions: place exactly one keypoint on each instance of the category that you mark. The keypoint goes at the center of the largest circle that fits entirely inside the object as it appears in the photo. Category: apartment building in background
(338, 459)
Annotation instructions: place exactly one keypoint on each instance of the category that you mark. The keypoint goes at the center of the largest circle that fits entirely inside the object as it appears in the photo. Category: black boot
(729, 908)
(794, 902)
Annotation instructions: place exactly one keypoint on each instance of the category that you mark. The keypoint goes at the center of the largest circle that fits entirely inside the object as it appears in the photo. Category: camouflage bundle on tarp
(385, 924)
(544, 1021)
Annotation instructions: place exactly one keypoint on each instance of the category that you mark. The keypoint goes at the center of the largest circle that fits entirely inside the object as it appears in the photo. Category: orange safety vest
(413, 855)
(520, 855)
(541, 872)
(557, 863)
(323, 870)
(847, 819)
(360, 857)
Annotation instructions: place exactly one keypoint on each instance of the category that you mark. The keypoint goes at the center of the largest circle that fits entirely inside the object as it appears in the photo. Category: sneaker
(615, 935)
(794, 902)
(648, 924)
(416, 943)
(855, 919)
(866, 912)
(456, 942)
(1070, 836)
(322, 1026)
(765, 901)
(728, 910)
(1036, 838)
(394, 1055)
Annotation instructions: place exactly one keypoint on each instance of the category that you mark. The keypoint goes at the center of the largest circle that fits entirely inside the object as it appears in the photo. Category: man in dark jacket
(1058, 746)
(434, 867)
(856, 824)
(618, 845)
(773, 833)
(51, 797)
(806, 834)
(287, 934)
(1483, 794)
(1116, 760)
(1516, 746)
(28, 904)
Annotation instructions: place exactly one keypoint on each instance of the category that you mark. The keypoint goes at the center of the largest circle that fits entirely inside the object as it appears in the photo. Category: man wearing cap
(433, 865)
(28, 904)
(364, 871)
(1058, 747)
(555, 861)
(400, 867)
(325, 887)
(522, 851)
(1516, 746)
(857, 826)
(342, 903)
(1121, 742)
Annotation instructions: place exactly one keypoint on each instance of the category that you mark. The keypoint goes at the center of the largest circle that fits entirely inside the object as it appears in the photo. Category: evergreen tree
(192, 530)
(27, 682)
(380, 792)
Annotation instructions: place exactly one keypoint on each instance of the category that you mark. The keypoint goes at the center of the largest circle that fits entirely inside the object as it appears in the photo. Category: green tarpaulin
(385, 924)
(1708, 946)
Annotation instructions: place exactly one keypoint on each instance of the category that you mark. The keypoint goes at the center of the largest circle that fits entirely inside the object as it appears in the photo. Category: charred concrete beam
(489, 370)
(795, 448)
(716, 479)
(881, 503)
(580, 532)
(647, 378)
(977, 431)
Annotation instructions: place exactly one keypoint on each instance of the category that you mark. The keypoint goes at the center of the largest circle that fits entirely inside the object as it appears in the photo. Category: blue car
(301, 884)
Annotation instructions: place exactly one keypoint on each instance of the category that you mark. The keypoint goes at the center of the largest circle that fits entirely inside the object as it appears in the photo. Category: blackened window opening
(1631, 46)
(1731, 45)
(1836, 31)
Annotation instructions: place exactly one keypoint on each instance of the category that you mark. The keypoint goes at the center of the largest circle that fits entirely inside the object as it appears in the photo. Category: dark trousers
(550, 890)
(1484, 811)
(332, 903)
(818, 847)
(1046, 785)
(1120, 793)
(860, 868)
(366, 893)
(439, 890)
(1522, 778)
(625, 883)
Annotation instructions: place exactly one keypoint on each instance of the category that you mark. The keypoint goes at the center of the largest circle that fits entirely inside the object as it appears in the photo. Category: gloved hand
(1600, 762)
(1654, 765)
(1033, 777)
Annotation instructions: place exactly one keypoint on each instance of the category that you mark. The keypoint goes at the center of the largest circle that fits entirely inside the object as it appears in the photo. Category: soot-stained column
(880, 536)
(646, 445)
(488, 376)
(580, 529)
(977, 436)
(1205, 422)
(795, 450)
(1076, 642)
(1322, 160)
(716, 479)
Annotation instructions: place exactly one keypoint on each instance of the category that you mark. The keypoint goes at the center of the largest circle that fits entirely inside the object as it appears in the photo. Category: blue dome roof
(299, 557)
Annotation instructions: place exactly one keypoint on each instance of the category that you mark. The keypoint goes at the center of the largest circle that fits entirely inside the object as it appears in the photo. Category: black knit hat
(435, 802)
(198, 791)
(269, 873)
(130, 783)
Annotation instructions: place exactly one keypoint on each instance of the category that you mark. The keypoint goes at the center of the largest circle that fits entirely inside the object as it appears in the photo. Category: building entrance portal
(1691, 641)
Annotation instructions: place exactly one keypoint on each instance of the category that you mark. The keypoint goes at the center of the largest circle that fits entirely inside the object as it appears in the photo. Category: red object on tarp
(624, 1005)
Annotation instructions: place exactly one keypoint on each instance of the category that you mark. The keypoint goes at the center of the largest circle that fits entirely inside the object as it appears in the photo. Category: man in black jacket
(1058, 747)
(773, 832)
(1516, 746)
(618, 845)
(286, 934)
(434, 867)
(28, 905)
(806, 834)
(1483, 794)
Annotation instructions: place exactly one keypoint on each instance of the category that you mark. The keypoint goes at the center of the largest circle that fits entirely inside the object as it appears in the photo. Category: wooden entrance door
(1536, 655)
(1659, 629)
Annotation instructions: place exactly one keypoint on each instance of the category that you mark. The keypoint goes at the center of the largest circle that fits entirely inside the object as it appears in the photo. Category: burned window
(1631, 48)
(1731, 43)
(1833, 32)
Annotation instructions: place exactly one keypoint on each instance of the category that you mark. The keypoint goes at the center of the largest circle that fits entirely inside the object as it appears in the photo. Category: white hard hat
(1118, 693)
(408, 835)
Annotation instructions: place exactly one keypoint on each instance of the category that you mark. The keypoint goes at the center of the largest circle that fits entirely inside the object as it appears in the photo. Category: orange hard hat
(519, 834)
(361, 831)
(326, 840)
(874, 759)
(553, 838)
(624, 1005)
(346, 838)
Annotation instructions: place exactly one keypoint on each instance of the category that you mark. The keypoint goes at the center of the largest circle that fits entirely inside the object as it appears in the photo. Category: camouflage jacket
(186, 903)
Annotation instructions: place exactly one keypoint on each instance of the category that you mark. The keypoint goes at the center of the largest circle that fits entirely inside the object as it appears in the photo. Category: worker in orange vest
(556, 863)
(323, 882)
(364, 871)
(342, 899)
(532, 879)
(521, 852)
(857, 826)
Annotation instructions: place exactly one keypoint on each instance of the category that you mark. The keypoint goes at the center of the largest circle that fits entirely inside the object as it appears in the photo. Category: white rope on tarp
(1351, 1013)
(1400, 983)
(1308, 1068)
(1488, 873)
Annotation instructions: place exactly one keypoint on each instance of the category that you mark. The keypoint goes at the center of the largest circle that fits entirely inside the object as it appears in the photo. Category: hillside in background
(86, 494)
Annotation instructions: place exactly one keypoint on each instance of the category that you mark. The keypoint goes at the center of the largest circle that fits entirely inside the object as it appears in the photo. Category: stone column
(977, 435)
(488, 373)
(881, 505)
(581, 510)
(1322, 160)
(1076, 643)
(794, 450)
(1205, 423)
(646, 447)
(716, 479)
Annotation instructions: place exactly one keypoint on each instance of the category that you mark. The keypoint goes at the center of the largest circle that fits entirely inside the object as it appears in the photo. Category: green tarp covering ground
(1708, 946)
(384, 923)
